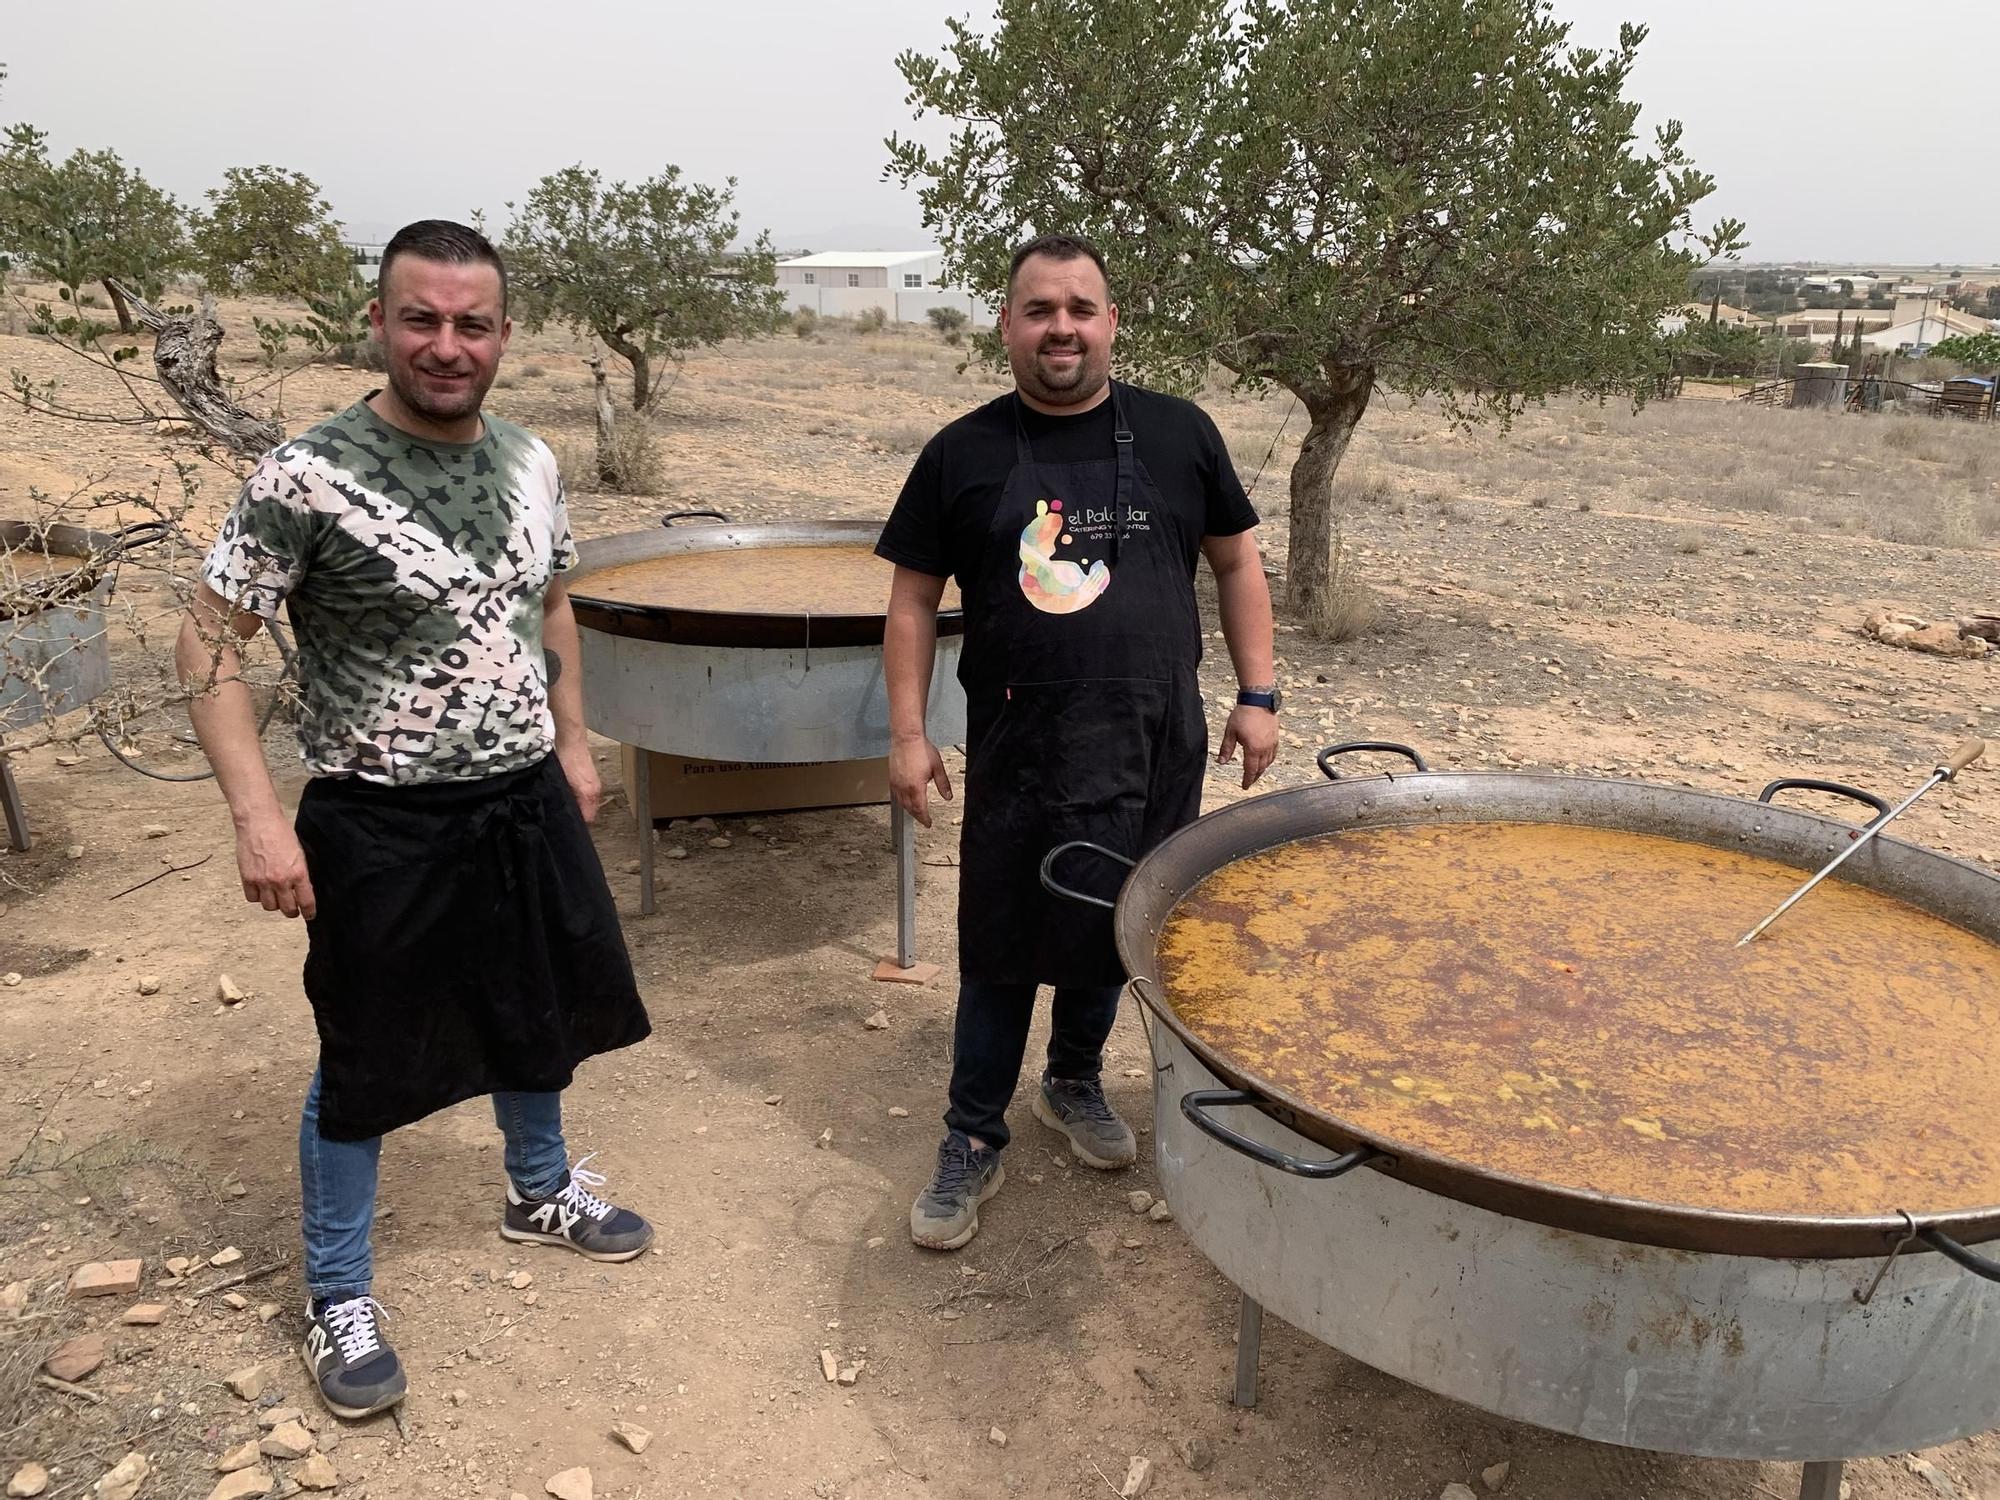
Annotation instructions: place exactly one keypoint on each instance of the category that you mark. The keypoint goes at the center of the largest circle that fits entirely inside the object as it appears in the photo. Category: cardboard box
(687, 788)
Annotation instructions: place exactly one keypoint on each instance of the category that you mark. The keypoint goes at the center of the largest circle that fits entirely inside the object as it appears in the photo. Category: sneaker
(356, 1371)
(946, 1214)
(577, 1219)
(1077, 1108)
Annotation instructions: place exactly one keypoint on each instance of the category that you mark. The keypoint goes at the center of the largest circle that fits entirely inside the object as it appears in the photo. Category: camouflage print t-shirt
(414, 573)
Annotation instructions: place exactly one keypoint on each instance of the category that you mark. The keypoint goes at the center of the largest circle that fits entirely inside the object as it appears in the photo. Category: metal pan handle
(684, 515)
(1326, 756)
(1838, 788)
(1056, 888)
(1195, 1103)
(1951, 1249)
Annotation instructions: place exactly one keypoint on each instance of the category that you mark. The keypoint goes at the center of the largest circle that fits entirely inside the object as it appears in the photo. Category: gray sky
(422, 109)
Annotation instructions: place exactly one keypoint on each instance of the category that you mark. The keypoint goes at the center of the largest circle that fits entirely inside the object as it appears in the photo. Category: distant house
(904, 284)
(1695, 314)
(1820, 324)
(1919, 322)
(1862, 283)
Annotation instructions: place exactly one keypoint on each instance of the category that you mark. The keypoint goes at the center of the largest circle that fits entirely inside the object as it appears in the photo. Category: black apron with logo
(466, 943)
(1085, 718)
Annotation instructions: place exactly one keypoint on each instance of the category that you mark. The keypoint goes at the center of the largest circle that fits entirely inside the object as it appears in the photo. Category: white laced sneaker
(356, 1371)
(575, 1217)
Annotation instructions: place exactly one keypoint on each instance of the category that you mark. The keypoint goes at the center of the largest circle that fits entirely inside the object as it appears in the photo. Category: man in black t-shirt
(1072, 513)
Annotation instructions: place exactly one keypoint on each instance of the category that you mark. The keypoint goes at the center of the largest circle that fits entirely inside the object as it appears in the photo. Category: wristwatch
(1267, 698)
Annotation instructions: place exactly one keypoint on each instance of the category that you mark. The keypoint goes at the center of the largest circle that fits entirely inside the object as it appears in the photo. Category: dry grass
(1912, 479)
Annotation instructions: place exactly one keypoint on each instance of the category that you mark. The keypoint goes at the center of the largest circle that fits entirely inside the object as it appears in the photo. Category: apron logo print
(1057, 588)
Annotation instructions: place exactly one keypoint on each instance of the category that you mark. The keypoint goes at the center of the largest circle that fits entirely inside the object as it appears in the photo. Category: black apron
(1084, 711)
(465, 943)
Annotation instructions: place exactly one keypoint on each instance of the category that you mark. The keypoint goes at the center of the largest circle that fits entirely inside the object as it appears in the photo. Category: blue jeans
(337, 1185)
(990, 1037)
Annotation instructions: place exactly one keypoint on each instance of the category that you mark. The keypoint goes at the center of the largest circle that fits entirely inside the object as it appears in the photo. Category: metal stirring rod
(1962, 757)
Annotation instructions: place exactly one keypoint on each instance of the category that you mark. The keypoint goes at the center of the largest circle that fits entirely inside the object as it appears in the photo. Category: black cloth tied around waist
(465, 943)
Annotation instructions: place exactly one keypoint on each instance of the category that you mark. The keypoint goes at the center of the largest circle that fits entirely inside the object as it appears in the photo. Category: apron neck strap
(1121, 502)
(1023, 454)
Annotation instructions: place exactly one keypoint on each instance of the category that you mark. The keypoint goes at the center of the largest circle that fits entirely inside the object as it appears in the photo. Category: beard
(1057, 387)
(438, 406)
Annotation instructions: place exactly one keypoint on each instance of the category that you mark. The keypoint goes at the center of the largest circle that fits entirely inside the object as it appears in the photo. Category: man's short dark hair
(1057, 247)
(441, 239)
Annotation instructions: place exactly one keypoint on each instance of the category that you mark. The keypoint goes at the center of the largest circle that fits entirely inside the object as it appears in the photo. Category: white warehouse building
(905, 284)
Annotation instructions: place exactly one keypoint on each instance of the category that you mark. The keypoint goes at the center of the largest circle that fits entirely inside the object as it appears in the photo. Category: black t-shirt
(943, 520)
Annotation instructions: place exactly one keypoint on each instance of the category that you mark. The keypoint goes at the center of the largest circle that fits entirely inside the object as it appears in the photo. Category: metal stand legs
(1822, 1481)
(10, 803)
(1249, 1344)
(903, 834)
(642, 814)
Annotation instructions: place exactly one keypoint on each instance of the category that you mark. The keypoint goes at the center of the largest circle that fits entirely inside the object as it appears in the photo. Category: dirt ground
(1672, 595)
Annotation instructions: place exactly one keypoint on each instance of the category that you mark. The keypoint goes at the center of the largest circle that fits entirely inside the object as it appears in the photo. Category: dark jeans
(990, 1038)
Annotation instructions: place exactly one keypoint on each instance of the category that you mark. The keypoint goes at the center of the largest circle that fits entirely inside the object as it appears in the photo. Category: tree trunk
(607, 425)
(121, 307)
(633, 355)
(1312, 592)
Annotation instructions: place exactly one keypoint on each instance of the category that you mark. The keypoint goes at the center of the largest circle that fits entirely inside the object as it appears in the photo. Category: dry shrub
(1353, 612)
(1352, 607)
(900, 437)
(533, 372)
(870, 320)
(1755, 492)
(805, 322)
(634, 466)
(1901, 432)
(1689, 540)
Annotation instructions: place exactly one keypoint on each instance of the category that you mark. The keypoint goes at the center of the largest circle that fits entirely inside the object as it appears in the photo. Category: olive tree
(646, 268)
(87, 218)
(268, 231)
(1444, 199)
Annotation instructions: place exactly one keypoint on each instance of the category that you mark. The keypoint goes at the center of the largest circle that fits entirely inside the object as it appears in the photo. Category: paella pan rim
(1160, 880)
(720, 627)
(89, 547)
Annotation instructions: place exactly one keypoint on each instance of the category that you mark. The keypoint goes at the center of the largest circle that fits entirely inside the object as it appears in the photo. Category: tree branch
(184, 353)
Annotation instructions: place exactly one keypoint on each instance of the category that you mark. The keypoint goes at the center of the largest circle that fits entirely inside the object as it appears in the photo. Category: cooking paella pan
(1523, 992)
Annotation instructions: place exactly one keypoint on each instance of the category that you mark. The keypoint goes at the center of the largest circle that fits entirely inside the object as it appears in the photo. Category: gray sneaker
(946, 1214)
(1077, 1108)
(356, 1371)
(576, 1219)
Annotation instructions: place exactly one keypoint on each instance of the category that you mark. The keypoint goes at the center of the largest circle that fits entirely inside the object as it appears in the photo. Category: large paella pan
(1600, 1169)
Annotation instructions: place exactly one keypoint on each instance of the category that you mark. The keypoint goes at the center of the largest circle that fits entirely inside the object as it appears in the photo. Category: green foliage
(645, 267)
(335, 325)
(1442, 196)
(88, 218)
(1721, 349)
(1978, 351)
(1443, 199)
(949, 321)
(269, 232)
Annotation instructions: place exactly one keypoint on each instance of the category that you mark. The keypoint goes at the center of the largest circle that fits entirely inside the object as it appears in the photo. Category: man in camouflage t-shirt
(415, 572)
(461, 938)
